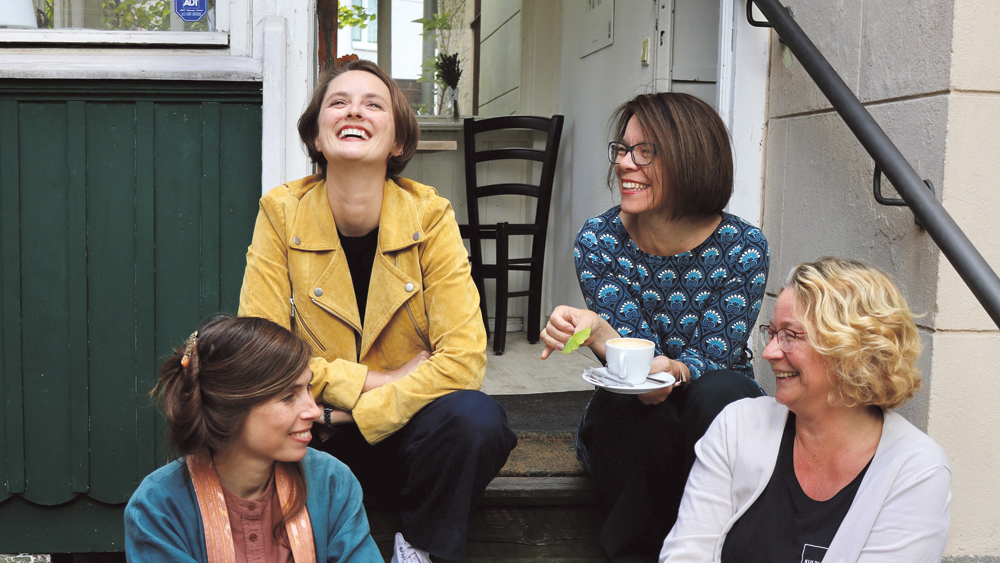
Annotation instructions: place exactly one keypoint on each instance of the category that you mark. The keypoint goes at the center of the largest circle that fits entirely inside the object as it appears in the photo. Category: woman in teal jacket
(239, 409)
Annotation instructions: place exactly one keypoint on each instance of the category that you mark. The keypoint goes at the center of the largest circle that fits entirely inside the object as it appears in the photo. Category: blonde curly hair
(857, 319)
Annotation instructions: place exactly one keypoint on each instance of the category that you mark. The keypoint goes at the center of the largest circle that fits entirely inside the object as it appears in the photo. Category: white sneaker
(403, 552)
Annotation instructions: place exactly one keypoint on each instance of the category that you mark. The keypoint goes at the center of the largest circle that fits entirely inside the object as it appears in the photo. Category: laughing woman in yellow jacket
(370, 270)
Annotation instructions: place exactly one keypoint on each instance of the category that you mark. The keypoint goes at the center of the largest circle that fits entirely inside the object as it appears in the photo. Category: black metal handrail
(927, 210)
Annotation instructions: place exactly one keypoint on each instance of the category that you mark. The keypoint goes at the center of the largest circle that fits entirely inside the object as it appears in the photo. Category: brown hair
(693, 154)
(404, 120)
(236, 363)
(858, 321)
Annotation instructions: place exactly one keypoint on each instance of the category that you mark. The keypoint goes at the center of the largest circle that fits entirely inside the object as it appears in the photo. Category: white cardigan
(900, 512)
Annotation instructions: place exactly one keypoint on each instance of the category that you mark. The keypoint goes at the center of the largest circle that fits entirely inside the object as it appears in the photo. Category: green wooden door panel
(45, 335)
(126, 212)
(11, 404)
(209, 243)
(239, 138)
(76, 262)
(81, 525)
(145, 350)
(111, 259)
(177, 226)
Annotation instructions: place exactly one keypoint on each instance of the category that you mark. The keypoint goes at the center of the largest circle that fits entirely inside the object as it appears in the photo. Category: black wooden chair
(476, 232)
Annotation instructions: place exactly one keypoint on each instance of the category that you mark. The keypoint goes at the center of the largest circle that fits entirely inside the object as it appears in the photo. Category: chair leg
(500, 317)
(534, 307)
(481, 287)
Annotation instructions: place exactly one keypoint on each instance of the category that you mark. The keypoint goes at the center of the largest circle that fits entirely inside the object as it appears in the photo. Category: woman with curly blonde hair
(823, 470)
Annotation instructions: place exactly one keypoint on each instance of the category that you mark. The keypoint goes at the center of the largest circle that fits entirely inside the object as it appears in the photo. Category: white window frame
(232, 24)
(223, 55)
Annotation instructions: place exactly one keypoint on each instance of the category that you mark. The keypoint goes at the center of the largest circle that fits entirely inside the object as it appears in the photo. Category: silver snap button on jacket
(318, 292)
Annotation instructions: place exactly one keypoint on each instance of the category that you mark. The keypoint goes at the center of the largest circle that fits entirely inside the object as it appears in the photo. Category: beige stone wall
(500, 58)
(818, 178)
(929, 74)
(963, 414)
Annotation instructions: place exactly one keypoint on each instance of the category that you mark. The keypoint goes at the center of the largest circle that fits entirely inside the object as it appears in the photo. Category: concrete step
(543, 506)
(545, 424)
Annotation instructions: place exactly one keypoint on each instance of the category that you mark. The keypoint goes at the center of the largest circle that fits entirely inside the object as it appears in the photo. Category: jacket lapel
(317, 232)
(399, 230)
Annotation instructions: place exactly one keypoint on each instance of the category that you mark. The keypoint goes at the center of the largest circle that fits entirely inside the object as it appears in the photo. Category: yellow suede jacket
(421, 297)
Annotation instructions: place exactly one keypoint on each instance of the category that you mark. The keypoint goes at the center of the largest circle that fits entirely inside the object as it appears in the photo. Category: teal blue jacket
(163, 523)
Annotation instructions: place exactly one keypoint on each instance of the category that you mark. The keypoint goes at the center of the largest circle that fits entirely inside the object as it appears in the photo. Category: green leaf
(576, 340)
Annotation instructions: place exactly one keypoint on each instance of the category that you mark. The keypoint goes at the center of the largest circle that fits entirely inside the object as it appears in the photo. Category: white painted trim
(99, 37)
(662, 46)
(58, 64)
(222, 15)
(743, 65)
(273, 111)
(514, 324)
(238, 22)
(724, 103)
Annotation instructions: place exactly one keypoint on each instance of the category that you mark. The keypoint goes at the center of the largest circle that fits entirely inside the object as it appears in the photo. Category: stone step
(543, 506)
(522, 519)
(545, 425)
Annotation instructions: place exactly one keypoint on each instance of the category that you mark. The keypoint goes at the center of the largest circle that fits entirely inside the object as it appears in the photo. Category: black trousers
(640, 455)
(434, 469)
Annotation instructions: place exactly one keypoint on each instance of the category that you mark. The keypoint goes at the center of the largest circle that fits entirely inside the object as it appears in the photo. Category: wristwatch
(326, 416)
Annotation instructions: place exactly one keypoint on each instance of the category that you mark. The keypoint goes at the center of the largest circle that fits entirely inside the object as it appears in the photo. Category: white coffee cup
(629, 358)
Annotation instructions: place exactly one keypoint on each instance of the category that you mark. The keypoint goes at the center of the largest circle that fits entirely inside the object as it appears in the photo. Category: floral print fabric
(698, 307)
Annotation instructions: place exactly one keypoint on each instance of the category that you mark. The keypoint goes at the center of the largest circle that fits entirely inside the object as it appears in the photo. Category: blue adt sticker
(191, 10)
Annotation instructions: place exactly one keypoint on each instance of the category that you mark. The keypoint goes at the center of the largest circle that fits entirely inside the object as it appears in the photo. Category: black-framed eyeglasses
(642, 153)
(786, 337)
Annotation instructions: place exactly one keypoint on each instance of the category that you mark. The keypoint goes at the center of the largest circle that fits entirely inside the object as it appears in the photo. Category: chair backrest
(542, 192)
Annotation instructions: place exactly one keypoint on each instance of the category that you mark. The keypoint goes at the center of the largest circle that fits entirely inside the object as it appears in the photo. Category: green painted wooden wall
(126, 209)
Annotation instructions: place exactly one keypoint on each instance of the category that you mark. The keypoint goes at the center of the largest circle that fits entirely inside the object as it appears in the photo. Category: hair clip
(192, 341)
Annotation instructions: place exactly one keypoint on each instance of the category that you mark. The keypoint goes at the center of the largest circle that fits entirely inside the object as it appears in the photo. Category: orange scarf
(215, 516)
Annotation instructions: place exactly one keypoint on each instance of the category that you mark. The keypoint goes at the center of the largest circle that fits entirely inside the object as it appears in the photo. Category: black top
(784, 525)
(360, 254)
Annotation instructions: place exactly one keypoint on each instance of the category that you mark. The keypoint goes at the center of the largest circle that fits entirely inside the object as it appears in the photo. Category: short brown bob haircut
(692, 151)
(858, 321)
(404, 120)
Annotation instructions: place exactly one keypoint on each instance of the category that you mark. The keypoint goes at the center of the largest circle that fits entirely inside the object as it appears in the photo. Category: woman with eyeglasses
(823, 471)
(668, 265)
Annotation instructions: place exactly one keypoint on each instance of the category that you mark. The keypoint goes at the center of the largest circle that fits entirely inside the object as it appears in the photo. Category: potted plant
(448, 73)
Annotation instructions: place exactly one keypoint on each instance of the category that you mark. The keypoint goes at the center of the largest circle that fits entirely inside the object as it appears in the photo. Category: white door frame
(742, 103)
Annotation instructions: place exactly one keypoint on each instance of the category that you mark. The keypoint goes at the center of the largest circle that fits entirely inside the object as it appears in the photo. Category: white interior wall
(500, 58)
(589, 90)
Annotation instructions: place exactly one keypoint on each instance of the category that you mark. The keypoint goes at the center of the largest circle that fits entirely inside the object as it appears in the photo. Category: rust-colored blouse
(252, 522)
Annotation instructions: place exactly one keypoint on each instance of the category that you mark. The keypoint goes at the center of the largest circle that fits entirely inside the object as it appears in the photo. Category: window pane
(125, 15)
(373, 29)
(408, 51)
(355, 31)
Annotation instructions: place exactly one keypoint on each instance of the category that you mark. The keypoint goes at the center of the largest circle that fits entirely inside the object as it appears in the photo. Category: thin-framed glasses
(642, 153)
(786, 337)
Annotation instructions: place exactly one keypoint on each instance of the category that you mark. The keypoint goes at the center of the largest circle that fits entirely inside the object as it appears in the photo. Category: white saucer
(623, 388)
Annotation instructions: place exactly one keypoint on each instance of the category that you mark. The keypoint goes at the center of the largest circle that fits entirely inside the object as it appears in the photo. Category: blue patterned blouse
(698, 306)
